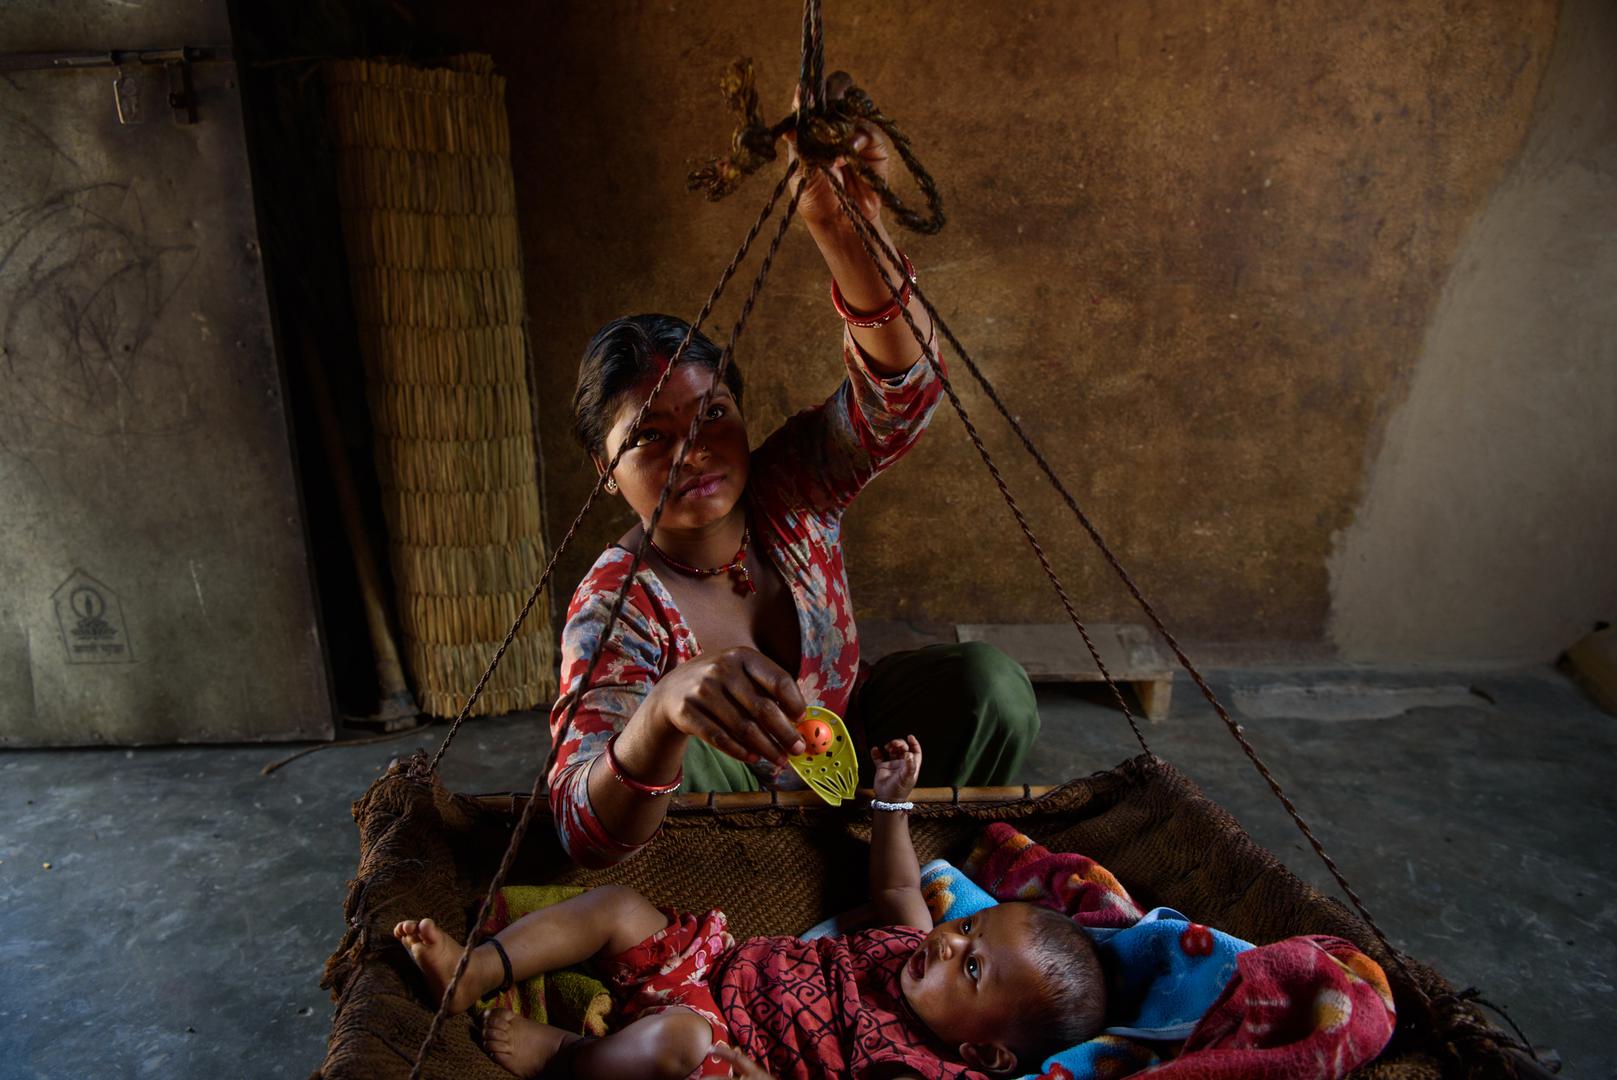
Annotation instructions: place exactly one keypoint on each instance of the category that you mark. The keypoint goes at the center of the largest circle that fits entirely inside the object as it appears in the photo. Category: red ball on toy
(816, 734)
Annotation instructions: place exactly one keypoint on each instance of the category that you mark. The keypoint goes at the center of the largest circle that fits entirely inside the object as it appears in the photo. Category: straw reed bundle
(429, 221)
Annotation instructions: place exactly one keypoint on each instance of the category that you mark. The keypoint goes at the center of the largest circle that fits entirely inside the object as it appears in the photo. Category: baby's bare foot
(436, 954)
(520, 1045)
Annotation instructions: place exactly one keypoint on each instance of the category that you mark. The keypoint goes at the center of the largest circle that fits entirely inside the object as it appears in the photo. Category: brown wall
(1198, 247)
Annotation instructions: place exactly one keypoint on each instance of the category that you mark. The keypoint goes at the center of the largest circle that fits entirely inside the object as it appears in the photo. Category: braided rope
(811, 76)
(862, 107)
(976, 440)
(873, 241)
(535, 797)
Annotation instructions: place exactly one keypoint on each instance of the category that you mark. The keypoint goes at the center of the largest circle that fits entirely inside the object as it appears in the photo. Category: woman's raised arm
(891, 348)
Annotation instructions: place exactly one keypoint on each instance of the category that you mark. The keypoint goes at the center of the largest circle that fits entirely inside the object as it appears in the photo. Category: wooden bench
(1054, 653)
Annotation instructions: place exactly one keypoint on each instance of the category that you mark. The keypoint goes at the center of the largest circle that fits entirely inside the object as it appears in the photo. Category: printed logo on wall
(92, 622)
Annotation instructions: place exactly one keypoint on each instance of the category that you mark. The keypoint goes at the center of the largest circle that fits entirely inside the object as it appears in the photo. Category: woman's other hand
(818, 206)
(898, 764)
(892, 347)
(737, 701)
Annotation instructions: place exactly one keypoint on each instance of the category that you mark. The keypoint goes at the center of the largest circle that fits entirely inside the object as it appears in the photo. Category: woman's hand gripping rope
(871, 152)
(834, 132)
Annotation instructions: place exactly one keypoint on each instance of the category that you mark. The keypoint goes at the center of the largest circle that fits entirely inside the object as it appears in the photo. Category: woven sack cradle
(777, 863)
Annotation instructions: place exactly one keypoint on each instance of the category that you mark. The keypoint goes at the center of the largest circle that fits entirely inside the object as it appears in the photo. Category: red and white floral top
(801, 480)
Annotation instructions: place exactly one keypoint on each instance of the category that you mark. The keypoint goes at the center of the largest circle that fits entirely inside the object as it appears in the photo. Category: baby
(994, 993)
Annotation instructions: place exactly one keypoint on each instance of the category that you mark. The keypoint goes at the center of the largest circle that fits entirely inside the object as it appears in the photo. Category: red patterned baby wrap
(669, 970)
(804, 1010)
(829, 1008)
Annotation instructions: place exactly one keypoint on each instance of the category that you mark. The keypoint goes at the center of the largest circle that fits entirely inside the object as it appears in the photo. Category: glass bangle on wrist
(878, 804)
(637, 786)
(874, 319)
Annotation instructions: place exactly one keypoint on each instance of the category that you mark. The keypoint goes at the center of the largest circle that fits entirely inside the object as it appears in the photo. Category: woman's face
(714, 473)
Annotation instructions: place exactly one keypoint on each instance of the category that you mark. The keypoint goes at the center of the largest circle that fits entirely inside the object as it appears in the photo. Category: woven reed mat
(429, 222)
(425, 851)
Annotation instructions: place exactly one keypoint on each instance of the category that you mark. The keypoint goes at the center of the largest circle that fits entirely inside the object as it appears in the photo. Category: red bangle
(874, 319)
(637, 786)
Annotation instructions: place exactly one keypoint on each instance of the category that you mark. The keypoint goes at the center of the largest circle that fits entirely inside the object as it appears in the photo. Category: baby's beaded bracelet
(877, 804)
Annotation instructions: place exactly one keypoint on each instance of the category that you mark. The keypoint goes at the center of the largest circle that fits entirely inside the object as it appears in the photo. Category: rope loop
(825, 132)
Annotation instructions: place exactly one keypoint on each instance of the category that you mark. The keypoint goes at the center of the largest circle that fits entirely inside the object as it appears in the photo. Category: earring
(611, 485)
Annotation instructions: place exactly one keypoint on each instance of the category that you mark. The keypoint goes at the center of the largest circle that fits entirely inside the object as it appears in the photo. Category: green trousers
(971, 706)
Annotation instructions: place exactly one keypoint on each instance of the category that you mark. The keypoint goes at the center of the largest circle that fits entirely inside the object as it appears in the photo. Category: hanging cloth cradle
(776, 862)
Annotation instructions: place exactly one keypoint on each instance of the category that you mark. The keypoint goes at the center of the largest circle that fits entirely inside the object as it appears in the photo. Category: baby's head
(1007, 986)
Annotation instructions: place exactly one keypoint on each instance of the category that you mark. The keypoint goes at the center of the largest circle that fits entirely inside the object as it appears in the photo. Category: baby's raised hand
(898, 764)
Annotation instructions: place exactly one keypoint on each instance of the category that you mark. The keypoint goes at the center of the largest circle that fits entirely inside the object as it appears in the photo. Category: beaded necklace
(736, 567)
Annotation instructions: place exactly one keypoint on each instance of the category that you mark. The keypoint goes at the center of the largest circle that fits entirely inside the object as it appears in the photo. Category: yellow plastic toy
(830, 766)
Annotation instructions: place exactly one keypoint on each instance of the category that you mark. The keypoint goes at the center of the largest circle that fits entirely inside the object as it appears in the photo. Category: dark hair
(621, 354)
(1072, 1006)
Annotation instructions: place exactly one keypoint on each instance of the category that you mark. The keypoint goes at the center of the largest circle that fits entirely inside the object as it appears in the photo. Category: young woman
(741, 616)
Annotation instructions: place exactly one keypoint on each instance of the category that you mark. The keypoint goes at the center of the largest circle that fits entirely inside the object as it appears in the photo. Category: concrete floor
(190, 902)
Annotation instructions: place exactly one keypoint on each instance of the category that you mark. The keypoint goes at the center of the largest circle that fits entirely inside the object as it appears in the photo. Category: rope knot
(823, 137)
(825, 134)
(755, 141)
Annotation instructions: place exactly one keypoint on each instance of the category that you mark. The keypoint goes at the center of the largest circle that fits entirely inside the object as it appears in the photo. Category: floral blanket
(1188, 1002)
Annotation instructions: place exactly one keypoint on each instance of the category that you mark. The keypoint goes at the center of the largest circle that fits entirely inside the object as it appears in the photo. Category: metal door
(154, 577)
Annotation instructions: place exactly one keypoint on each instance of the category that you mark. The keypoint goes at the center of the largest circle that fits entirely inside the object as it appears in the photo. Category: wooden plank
(879, 638)
(1155, 697)
(1055, 652)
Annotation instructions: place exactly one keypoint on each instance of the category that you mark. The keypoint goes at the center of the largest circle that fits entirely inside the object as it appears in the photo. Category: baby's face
(972, 979)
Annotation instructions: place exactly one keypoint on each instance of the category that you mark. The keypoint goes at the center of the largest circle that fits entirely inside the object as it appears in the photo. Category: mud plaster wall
(1489, 523)
(1197, 246)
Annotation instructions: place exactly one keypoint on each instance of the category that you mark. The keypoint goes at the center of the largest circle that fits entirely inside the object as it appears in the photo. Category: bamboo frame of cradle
(721, 802)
